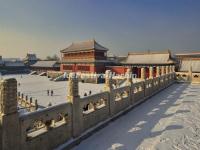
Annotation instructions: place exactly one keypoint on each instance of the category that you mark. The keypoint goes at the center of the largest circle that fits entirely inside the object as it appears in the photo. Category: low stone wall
(26, 103)
(50, 127)
(94, 109)
(47, 128)
(54, 74)
(191, 77)
(120, 99)
(196, 78)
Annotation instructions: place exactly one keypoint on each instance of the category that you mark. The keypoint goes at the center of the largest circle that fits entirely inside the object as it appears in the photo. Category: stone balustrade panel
(166, 79)
(138, 92)
(148, 87)
(94, 109)
(121, 99)
(162, 81)
(156, 84)
(46, 128)
(182, 76)
(49, 127)
(186, 77)
(196, 78)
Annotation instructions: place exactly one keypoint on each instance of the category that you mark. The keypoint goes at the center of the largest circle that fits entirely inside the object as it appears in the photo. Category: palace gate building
(86, 57)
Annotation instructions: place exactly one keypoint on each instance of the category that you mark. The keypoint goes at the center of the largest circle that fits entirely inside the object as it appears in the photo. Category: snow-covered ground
(36, 86)
(168, 121)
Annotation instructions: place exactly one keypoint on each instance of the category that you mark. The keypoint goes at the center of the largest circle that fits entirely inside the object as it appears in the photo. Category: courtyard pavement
(36, 87)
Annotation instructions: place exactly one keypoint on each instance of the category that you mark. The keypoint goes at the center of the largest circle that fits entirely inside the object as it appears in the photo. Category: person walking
(51, 92)
(90, 92)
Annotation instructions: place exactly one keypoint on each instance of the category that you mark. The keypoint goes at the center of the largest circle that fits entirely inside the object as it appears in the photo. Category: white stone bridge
(168, 116)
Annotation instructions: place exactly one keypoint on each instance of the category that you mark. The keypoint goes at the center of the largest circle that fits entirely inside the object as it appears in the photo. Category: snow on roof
(85, 45)
(13, 62)
(186, 64)
(11, 59)
(46, 64)
(188, 53)
(149, 58)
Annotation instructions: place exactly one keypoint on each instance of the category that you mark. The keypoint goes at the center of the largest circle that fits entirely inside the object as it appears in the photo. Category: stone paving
(169, 120)
(36, 86)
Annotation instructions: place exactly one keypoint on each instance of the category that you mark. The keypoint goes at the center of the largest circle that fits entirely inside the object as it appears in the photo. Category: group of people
(49, 92)
(90, 92)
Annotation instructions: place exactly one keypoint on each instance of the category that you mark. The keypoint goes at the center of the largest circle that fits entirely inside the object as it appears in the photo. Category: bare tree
(54, 57)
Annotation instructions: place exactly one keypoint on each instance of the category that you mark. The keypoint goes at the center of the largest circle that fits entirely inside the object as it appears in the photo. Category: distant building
(44, 66)
(30, 59)
(136, 60)
(12, 66)
(88, 56)
(187, 60)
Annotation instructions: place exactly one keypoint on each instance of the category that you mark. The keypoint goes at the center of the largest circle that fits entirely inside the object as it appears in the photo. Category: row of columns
(164, 70)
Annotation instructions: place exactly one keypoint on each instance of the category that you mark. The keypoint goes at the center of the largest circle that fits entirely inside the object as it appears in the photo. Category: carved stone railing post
(151, 72)
(157, 71)
(74, 98)
(108, 87)
(108, 81)
(190, 74)
(129, 80)
(143, 73)
(73, 89)
(9, 117)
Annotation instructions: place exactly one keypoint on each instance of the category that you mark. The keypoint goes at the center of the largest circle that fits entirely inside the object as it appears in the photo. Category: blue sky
(47, 26)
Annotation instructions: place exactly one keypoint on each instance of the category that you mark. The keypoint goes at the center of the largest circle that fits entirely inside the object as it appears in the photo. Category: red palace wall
(84, 55)
(117, 69)
(97, 55)
(82, 68)
(102, 69)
